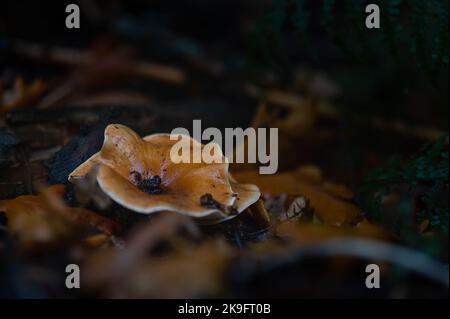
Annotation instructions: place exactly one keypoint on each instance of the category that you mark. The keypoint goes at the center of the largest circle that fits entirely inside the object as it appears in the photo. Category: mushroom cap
(126, 159)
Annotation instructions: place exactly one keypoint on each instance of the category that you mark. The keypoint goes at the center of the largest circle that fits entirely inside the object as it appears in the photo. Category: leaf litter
(304, 226)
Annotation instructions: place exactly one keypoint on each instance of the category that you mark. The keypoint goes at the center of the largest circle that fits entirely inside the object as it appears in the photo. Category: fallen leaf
(44, 219)
(109, 98)
(338, 190)
(310, 173)
(328, 208)
(298, 205)
(309, 233)
(185, 271)
(191, 273)
(20, 94)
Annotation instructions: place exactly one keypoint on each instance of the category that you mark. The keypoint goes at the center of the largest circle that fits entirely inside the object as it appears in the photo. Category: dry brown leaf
(21, 94)
(423, 226)
(96, 240)
(338, 190)
(44, 220)
(184, 271)
(109, 98)
(331, 210)
(109, 265)
(310, 173)
(186, 274)
(310, 233)
(299, 121)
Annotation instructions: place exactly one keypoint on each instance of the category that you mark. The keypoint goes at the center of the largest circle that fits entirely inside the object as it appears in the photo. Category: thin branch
(366, 249)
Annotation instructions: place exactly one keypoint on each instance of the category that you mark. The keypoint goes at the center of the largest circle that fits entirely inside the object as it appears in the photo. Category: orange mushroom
(138, 173)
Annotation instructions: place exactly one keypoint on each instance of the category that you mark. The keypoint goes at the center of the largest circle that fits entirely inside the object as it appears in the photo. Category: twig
(77, 58)
(291, 101)
(367, 249)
